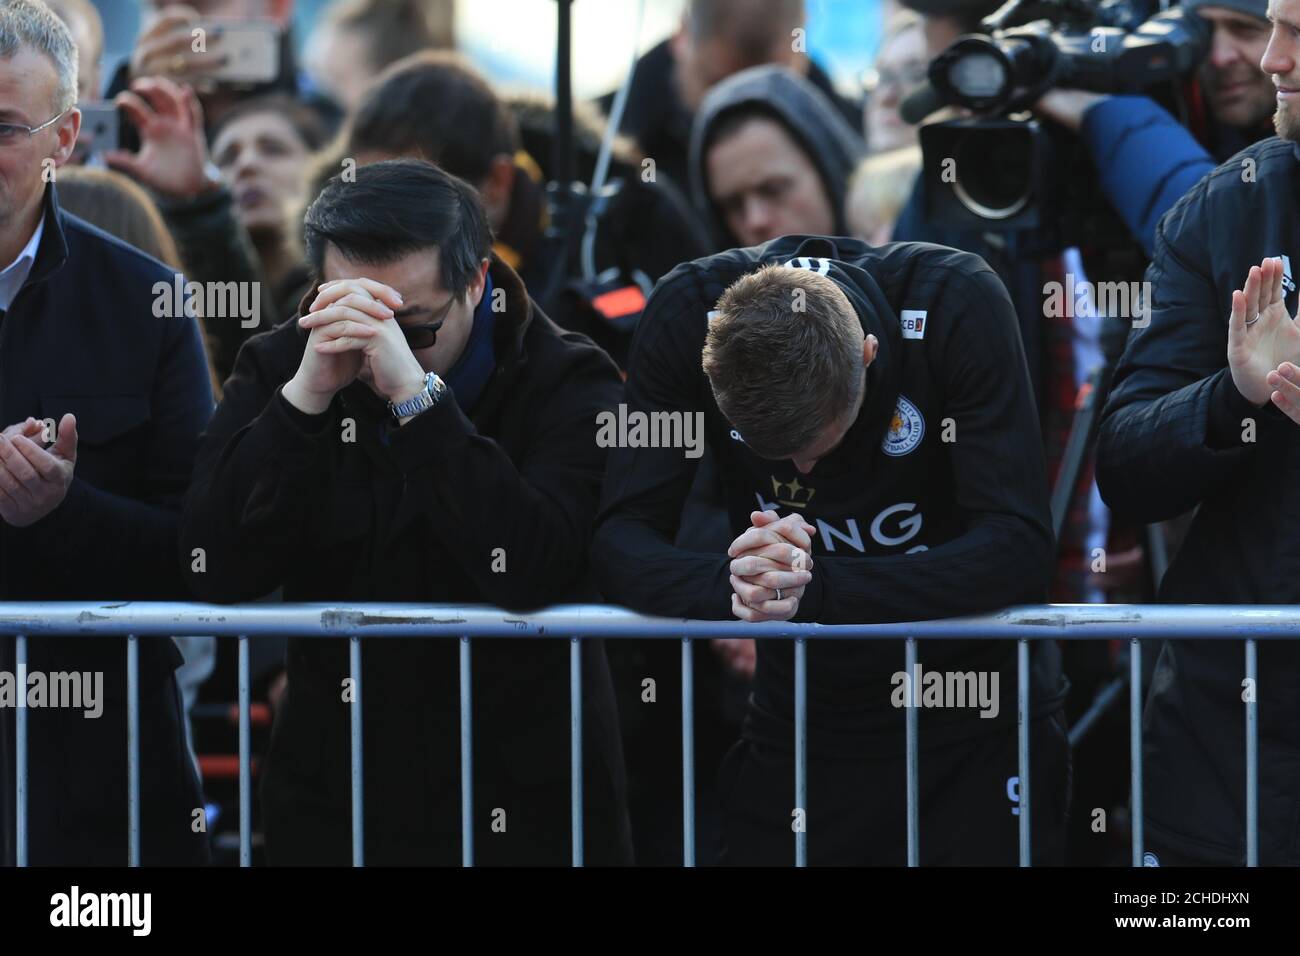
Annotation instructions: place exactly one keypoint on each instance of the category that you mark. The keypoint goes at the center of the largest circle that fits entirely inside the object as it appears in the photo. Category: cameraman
(942, 22)
(1145, 158)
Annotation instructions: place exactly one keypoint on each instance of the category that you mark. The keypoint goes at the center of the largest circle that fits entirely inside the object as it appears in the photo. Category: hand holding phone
(173, 156)
(208, 53)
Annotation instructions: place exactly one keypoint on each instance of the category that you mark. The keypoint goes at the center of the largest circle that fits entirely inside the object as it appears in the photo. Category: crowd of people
(315, 336)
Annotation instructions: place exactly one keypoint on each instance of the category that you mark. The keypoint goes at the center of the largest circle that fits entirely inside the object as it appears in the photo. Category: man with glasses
(421, 433)
(104, 398)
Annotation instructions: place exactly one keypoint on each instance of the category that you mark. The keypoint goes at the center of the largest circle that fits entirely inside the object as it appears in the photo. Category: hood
(818, 127)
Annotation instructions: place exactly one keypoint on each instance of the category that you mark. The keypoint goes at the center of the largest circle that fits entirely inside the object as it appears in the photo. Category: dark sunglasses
(424, 336)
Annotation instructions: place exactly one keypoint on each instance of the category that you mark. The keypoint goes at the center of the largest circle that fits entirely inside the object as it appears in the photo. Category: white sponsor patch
(906, 429)
(913, 321)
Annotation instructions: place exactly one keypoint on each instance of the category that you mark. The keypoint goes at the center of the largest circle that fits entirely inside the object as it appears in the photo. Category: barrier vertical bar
(688, 754)
(1252, 756)
(466, 758)
(1022, 694)
(575, 744)
(245, 759)
(1136, 826)
(801, 750)
(20, 751)
(133, 749)
(913, 769)
(358, 807)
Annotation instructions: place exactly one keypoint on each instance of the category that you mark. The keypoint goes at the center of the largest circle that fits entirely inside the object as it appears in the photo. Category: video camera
(1004, 170)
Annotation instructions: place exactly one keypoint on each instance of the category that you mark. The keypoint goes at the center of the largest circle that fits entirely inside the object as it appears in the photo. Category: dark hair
(435, 106)
(306, 122)
(380, 212)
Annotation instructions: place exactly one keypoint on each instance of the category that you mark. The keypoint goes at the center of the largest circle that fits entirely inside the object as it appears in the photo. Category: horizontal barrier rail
(1131, 622)
(1036, 622)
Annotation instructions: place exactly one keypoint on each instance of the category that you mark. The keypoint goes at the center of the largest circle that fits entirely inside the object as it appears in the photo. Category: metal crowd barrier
(1131, 622)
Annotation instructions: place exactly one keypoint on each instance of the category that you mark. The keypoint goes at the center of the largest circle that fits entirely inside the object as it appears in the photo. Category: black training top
(934, 505)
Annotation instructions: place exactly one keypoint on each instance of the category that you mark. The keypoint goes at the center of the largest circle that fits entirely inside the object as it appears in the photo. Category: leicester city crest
(906, 429)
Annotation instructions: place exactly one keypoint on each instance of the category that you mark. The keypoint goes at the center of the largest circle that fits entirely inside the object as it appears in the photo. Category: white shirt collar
(15, 274)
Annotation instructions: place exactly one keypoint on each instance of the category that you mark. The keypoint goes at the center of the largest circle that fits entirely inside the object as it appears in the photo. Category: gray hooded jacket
(820, 130)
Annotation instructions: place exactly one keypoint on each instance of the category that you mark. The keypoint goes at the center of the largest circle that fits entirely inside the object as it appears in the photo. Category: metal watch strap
(434, 389)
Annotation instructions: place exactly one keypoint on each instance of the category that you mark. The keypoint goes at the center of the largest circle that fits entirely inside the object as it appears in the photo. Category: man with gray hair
(105, 395)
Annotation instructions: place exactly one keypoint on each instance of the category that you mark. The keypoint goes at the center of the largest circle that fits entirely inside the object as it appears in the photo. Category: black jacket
(925, 529)
(493, 507)
(638, 232)
(85, 335)
(1173, 437)
(640, 227)
(215, 247)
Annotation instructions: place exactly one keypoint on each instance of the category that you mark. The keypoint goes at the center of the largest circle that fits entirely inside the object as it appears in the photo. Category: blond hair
(879, 189)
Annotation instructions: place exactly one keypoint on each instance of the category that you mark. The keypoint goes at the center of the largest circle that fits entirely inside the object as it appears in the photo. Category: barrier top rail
(1032, 622)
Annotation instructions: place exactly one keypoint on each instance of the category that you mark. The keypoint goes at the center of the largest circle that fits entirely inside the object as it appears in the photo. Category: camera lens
(994, 172)
(978, 76)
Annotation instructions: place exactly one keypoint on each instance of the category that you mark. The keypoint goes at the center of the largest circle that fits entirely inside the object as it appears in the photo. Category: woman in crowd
(262, 147)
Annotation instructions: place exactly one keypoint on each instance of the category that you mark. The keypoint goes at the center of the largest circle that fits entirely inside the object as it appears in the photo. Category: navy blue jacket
(81, 336)
(1146, 160)
(1176, 434)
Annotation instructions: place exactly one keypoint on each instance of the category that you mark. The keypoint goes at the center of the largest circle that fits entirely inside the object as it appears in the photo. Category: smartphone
(250, 51)
(101, 126)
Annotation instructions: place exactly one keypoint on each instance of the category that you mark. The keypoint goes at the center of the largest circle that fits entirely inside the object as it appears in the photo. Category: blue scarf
(469, 376)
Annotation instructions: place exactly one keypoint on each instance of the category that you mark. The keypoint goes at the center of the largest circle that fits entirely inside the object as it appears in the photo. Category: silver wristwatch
(422, 401)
